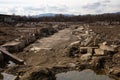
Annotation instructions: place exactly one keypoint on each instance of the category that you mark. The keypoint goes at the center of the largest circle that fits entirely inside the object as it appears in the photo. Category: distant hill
(51, 15)
(117, 12)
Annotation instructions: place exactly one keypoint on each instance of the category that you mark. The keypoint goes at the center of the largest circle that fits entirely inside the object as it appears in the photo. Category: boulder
(86, 57)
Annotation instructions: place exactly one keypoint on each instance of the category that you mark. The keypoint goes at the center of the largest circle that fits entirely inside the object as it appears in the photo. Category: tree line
(62, 18)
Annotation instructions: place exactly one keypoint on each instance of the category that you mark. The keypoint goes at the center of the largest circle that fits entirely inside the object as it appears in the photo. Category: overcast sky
(35, 7)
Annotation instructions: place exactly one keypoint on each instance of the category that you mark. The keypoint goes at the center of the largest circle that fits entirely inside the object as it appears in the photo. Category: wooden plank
(10, 56)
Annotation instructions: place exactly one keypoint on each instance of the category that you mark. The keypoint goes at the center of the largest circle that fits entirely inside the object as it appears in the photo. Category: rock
(83, 50)
(114, 46)
(97, 62)
(44, 74)
(90, 50)
(71, 65)
(99, 52)
(116, 58)
(115, 71)
(87, 32)
(106, 47)
(88, 40)
(73, 49)
(86, 57)
(75, 43)
(104, 43)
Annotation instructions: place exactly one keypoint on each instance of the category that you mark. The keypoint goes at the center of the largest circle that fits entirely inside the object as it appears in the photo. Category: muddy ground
(51, 54)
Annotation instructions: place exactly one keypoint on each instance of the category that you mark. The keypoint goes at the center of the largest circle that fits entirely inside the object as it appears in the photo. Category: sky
(76, 7)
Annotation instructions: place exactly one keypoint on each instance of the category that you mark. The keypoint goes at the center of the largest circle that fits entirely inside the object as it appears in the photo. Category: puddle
(5, 76)
(83, 75)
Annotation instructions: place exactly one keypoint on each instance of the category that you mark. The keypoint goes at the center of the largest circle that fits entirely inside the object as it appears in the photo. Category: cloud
(92, 6)
(96, 7)
(33, 10)
(35, 7)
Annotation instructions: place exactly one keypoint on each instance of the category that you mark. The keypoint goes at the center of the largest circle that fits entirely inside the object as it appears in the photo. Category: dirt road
(48, 51)
(52, 41)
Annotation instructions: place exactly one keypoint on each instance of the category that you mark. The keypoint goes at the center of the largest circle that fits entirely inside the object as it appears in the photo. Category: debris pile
(92, 49)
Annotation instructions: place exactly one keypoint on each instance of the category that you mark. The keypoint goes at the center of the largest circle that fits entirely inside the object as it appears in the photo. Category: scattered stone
(108, 48)
(104, 43)
(71, 65)
(75, 43)
(114, 46)
(99, 52)
(88, 40)
(116, 58)
(73, 49)
(86, 57)
(97, 62)
(115, 71)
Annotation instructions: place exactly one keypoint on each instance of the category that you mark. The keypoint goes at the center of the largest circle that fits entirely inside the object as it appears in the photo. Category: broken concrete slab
(14, 46)
(100, 52)
(106, 47)
(11, 57)
(86, 57)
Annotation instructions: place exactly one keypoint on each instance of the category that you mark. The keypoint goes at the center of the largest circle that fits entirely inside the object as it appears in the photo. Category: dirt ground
(49, 52)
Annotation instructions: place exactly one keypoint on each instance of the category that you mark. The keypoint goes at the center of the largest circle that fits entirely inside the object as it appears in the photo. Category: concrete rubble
(92, 49)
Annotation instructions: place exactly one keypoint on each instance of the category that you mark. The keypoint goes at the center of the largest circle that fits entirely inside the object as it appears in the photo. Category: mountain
(117, 12)
(46, 14)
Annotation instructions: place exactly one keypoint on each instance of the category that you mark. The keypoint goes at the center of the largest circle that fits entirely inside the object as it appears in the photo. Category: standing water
(83, 75)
